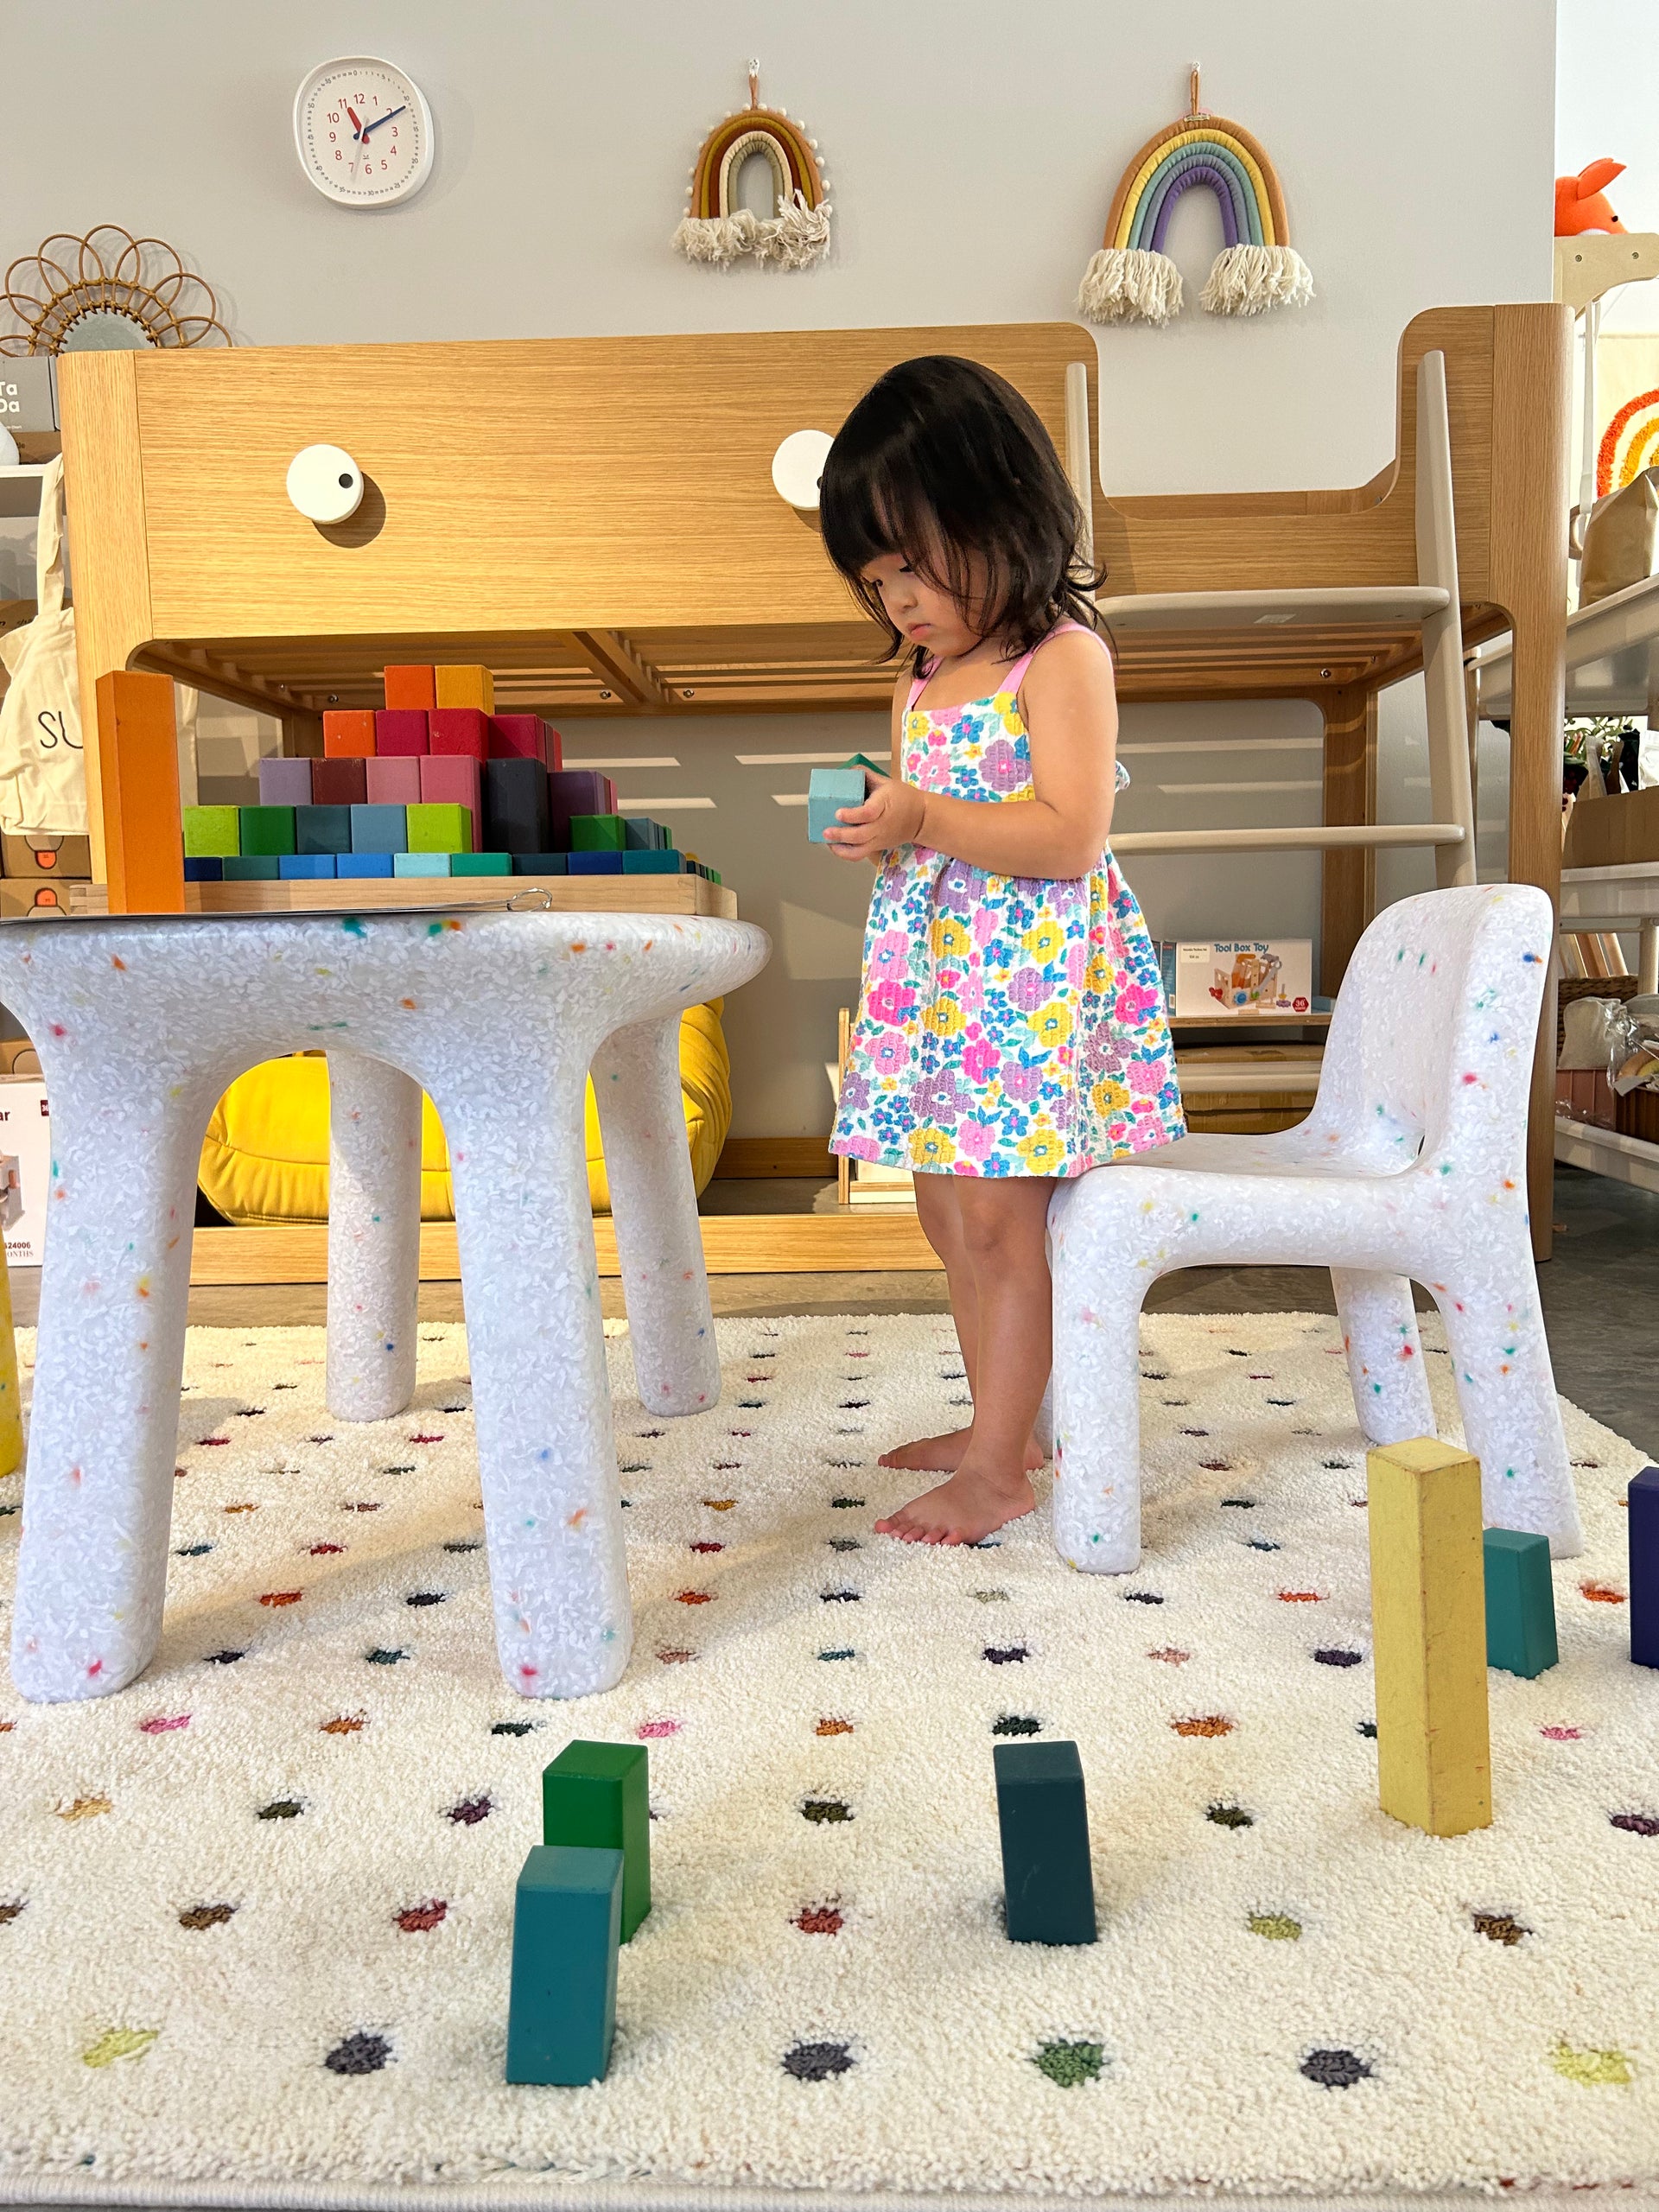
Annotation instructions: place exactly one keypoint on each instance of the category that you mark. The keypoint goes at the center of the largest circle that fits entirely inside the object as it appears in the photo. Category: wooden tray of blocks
(436, 800)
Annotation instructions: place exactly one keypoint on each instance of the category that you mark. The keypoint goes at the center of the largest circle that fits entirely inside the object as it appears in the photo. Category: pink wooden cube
(395, 782)
(451, 778)
(400, 732)
(464, 730)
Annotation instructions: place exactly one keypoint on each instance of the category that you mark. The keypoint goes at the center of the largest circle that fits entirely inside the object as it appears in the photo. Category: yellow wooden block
(11, 1421)
(465, 685)
(1428, 1622)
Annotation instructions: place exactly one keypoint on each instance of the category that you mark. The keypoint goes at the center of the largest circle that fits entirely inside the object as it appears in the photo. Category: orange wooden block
(138, 778)
(412, 687)
(465, 686)
(348, 734)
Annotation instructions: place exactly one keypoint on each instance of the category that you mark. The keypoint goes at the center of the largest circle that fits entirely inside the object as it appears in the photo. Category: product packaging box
(26, 1137)
(1244, 975)
(38, 854)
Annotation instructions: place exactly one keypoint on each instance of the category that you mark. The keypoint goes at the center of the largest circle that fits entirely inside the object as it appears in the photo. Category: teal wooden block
(323, 829)
(863, 761)
(597, 1796)
(252, 867)
(1048, 1884)
(380, 829)
(421, 864)
(1520, 1603)
(658, 862)
(827, 790)
(566, 1925)
(637, 832)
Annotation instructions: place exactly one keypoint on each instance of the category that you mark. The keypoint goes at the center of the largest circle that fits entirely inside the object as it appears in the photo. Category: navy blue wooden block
(1642, 1499)
(1047, 1881)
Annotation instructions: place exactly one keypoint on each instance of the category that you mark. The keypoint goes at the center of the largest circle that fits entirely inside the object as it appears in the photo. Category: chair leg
(654, 1208)
(1097, 1409)
(1385, 1355)
(374, 1237)
(1506, 1393)
(92, 1568)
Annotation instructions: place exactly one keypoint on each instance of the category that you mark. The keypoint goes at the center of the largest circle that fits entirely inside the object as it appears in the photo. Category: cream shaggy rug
(255, 1911)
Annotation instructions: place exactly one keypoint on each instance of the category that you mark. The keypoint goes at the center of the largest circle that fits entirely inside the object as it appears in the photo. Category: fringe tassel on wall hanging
(712, 231)
(1132, 279)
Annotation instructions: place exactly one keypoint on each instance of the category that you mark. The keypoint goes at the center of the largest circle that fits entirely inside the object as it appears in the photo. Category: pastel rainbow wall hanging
(1629, 444)
(1132, 279)
(713, 230)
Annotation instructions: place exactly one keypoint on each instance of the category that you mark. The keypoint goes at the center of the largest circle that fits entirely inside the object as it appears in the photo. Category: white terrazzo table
(140, 1023)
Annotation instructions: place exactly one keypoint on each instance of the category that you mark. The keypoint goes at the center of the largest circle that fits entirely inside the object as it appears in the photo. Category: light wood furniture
(594, 519)
(555, 894)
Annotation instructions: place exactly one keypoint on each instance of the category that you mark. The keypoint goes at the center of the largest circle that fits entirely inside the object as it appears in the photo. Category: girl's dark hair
(945, 463)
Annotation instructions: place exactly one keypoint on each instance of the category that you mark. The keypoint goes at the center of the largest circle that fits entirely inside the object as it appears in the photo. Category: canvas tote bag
(43, 770)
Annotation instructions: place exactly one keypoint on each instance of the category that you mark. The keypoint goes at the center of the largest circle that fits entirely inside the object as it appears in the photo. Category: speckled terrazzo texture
(1411, 1164)
(254, 1913)
(141, 1024)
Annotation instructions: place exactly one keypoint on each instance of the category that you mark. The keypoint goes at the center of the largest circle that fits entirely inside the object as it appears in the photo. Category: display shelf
(1619, 898)
(1605, 1151)
(566, 894)
(1612, 658)
(1319, 837)
(1231, 1022)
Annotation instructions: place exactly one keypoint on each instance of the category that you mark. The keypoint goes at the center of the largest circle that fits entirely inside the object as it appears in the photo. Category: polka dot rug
(255, 1911)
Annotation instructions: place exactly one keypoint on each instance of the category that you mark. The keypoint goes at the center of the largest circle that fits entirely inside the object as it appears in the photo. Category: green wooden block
(599, 833)
(211, 832)
(1048, 1884)
(863, 761)
(251, 868)
(597, 1796)
(566, 1925)
(481, 864)
(1520, 1603)
(267, 828)
(440, 828)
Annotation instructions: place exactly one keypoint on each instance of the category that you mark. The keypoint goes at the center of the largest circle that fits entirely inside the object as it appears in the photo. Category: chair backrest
(1430, 1045)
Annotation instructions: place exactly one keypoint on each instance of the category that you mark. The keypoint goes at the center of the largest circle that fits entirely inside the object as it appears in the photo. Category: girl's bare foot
(942, 1455)
(964, 1510)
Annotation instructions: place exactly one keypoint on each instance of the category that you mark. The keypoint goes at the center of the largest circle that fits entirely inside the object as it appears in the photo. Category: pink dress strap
(1017, 674)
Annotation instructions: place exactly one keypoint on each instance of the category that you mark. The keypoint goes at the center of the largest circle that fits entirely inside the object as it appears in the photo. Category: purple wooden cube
(283, 782)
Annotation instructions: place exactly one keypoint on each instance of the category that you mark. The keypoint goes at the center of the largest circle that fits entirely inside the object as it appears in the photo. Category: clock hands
(357, 128)
(379, 119)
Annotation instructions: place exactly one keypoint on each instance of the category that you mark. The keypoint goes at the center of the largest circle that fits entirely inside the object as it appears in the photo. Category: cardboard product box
(35, 854)
(1244, 975)
(26, 1137)
(1612, 832)
(41, 898)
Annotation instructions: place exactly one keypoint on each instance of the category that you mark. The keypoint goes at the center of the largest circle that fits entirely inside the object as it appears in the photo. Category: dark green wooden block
(1520, 1603)
(1048, 1884)
(598, 833)
(566, 1924)
(597, 1796)
(863, 761)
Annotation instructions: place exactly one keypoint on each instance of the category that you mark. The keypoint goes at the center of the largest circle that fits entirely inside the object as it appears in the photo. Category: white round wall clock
(364, 132)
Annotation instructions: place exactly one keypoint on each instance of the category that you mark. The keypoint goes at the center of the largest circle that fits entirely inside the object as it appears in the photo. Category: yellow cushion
(265, 1158)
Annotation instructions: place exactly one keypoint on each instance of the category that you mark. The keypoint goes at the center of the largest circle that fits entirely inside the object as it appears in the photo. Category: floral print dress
(1009, 1025)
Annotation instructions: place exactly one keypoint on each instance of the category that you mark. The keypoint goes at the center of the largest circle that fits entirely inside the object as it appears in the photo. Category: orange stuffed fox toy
(1581, 201)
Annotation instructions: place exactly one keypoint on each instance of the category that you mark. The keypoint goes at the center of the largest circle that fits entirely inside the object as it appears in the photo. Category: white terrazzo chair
(1411, 1167)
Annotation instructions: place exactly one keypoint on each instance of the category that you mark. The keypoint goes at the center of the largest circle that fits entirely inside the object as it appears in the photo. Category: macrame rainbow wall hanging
(1132, 279)
(713, 230)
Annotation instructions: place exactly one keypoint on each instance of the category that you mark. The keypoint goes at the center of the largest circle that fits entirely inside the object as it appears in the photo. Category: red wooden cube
(465, 730)
(399, 733)
(524, 737)
(338, 783)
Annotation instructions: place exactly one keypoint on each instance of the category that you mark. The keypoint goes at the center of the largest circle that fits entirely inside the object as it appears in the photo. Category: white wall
(973, 149)
(1604, 106)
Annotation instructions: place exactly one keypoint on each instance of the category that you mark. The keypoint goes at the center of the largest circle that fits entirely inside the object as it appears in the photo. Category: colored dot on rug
(817, 2061)
(383, 1655)
(847, 1653)
(834, 1727)
(281, 1808)
(708, 1544)
(1335, 2069)
(511, 1727)
(421, 1919)
(84, 1809)
(1142, 1597)
(720, 1505)
(843, 1504)
(1366, 1728)
(1016, 1723)
(992, 1597)
(1068, 2065)
(465, 1544)
(1635, 1823)
(826, 1810)
(225, 1658)
(1005, 1655)
(9, 1913)
(1277, 1927)
(1244, 1504)
(1331, 1657)
(1592, 2069)
(694, 1597)
(1170, 1656)
(1204, 1724)
(1230, 1816)
(426, 1597)
(344, 1724)
(845, 1544)
(839, 1597)
(651, 1731)
(359, 2054)
(470, 1812)
(192, 1551)
(1501, 1927)
(1602, 1593)
(119, 2043)
(206, 1916)
(1260, 1544)
(819, 1920)
(676, 1655)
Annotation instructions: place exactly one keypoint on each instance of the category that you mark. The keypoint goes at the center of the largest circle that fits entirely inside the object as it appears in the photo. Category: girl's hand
(891, 815)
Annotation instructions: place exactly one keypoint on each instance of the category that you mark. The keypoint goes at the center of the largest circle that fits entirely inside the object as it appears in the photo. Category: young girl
(1012, 1029)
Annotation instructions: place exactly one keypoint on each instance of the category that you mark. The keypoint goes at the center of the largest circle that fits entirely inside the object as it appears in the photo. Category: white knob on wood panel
(797, 467)
(324, 484)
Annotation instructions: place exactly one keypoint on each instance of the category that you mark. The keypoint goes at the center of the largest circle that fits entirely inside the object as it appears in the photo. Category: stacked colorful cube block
(436, 783)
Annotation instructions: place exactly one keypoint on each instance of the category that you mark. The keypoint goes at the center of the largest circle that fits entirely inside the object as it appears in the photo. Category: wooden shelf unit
(560, 894)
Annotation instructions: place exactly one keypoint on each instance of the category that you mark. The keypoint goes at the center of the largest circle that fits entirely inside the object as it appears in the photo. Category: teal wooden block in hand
(597, 1796)
(827, 790)
(1520, 1603)
(1048, 1884)
(566, 1924)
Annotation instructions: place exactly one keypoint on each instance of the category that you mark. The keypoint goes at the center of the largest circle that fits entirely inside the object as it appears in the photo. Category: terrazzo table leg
(636, 1079)
(374, 1236)
(1506, 1394)
(1096, 1507)
(1385, 1355)
(535, 1333)
(115, 1289)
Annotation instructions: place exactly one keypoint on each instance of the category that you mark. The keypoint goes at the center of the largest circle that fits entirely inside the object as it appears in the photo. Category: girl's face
(924, 614)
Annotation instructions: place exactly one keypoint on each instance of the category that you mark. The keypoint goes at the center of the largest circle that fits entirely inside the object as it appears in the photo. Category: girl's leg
(1004, 1222)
